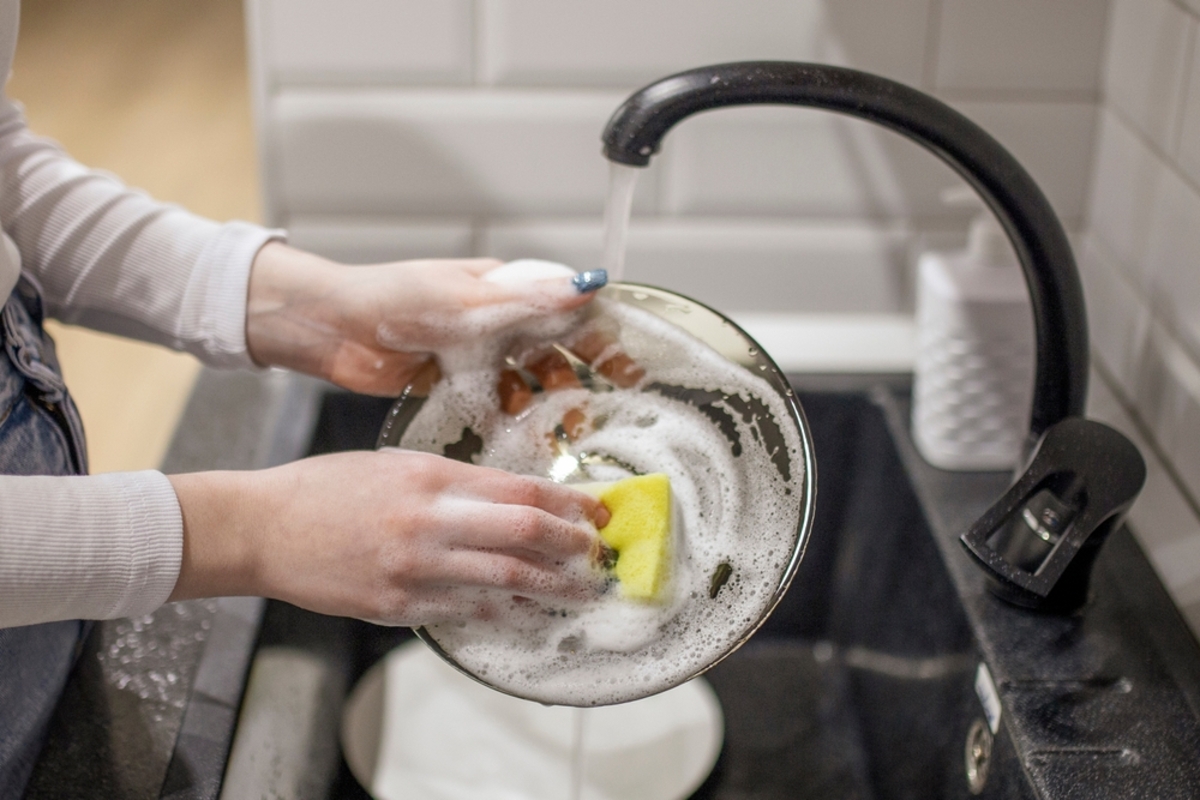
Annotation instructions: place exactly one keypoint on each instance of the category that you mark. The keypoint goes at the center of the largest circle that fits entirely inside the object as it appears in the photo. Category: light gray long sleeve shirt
(112, 259)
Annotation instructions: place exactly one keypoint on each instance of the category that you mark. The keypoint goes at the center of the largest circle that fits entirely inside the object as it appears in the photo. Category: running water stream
(622, 179)
(578, 754)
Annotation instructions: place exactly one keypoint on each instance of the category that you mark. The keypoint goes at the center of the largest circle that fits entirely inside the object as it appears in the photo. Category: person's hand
(372, 328)
(391, 536)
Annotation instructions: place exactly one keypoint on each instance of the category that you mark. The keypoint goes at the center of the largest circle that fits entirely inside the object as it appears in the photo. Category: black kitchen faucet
(1038, 542)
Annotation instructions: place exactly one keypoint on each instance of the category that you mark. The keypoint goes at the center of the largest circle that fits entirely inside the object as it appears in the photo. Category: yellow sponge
(640, 531)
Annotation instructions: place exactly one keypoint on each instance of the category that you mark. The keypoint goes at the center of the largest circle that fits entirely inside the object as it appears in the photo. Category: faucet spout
(1037, 544)
(636, 129)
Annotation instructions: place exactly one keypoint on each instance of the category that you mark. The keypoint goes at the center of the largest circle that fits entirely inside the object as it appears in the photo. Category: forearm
(91, 547)
(291, 314)
(223, 516)
(287, 533)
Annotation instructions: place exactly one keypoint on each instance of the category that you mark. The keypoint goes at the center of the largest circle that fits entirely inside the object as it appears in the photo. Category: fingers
(527, 270)
(517, 576)
(476, 497)
(477, 266)
(404, 537)
(385, 374)
(435, 604)
(544, 283)
(538, 296)
(522, 531)
(557, 499)
(602, 516)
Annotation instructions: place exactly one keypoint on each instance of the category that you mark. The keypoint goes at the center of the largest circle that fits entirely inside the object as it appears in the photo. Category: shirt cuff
(218, 288)
(87, 547)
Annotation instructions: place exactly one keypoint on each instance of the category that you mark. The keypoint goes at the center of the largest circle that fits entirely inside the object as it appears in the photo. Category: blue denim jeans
(40, 434)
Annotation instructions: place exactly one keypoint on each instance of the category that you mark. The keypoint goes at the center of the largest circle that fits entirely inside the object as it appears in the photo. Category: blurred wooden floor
(157, 93)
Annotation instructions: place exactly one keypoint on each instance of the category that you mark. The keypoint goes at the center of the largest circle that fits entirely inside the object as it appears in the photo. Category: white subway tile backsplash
(1053, 141)
(1125, 175)
(1179, 565)
(1145, 326)
(356, 240)
(885, 38)
(1172, 261)
(1183, 450)
(443, 152)
(732, 265)
(1153, 386)
(778, 161)
(1161, 517)
(1027, 45)
(1117, 315)
(1145, 65)
(764, 267)
(576, 243)
(627, 43)
(1169, 533)
(1177, 408)
(1189, 135)
(318, 41)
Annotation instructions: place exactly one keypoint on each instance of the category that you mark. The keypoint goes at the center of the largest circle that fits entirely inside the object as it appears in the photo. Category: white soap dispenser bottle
(973, 381)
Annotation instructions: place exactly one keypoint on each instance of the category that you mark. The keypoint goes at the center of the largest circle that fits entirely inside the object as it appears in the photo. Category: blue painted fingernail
(590, 280)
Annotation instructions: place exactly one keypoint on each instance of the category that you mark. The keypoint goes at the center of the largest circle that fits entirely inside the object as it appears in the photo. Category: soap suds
(733, 504)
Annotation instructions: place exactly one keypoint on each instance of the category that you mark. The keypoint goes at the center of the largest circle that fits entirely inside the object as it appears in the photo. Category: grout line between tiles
(1089, 179)
(1123, 270)
(1135, 417)
(1153, 147)
(1158, 316)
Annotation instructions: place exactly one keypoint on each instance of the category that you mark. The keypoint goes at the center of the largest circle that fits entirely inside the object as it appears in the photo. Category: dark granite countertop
(1101, 703)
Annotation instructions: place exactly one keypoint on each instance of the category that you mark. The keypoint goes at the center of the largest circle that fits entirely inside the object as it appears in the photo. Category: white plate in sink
(415, 728)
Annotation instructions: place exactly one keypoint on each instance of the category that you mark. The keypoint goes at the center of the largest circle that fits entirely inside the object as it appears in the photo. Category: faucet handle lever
(1038, 543)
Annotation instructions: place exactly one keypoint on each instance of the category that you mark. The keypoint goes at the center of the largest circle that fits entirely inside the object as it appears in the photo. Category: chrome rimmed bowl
(720, 414)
